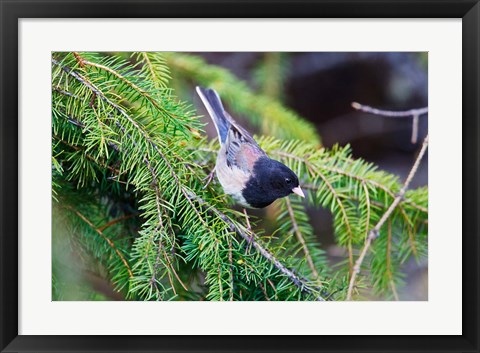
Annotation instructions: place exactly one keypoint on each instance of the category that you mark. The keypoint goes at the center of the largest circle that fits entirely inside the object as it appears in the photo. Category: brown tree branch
(389, 113)
(414, 113)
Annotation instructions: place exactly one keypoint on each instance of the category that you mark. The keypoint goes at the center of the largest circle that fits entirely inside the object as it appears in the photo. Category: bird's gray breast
(232, 177)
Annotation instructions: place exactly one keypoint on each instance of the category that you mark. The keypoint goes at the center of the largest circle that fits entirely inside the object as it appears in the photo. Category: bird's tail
(214, 106)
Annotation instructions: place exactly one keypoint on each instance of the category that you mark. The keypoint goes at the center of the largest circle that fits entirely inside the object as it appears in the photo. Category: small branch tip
(356, 105)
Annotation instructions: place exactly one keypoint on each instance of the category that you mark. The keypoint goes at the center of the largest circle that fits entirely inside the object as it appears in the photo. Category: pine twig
(107, 239)
(160, 224)
(389, 261)
(315, 171)
(115, 221)
(375, 232)
(160, 242)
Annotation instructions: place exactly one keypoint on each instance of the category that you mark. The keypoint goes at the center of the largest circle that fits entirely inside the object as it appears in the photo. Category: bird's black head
(270, 180)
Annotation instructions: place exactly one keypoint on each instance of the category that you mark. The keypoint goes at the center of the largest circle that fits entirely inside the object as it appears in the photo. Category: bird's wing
(220, 117)
(241, 149)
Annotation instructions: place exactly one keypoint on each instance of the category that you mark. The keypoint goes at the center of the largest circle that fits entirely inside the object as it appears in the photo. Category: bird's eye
(288, 180)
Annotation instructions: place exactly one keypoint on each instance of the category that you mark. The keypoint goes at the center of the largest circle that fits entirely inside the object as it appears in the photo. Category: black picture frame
(12, 11)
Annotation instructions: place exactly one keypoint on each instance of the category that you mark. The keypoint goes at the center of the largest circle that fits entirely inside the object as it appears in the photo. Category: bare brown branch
(389, 113)
(414, 113)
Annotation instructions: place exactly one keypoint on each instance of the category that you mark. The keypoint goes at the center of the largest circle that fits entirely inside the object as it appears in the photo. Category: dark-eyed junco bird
(244, 170)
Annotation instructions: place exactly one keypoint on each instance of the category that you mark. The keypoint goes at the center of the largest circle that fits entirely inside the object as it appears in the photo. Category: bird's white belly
(233, 180)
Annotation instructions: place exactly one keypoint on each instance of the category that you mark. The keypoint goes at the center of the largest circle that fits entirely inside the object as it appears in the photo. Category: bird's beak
(298, 191)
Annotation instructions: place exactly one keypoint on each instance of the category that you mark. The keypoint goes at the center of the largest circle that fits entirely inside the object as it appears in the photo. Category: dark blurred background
(321, 87)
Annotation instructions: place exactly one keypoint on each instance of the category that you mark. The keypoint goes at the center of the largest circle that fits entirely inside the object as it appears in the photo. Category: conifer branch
(187, 193)
(275, 289)
(88, 156)
(62, 91)
(115, 221)
(300, 282)
(124, 114)
(301, 239)
(367, 196)
(316, 171)
(350, 175)
(389, 259)
(230, 261)
(83, 62)
(108, 240)
(92, 87)
(409, 231)
(154, 64)
(374, 233)
(100, 94)
(159, 214)
(265, 294)
(151, 69)
(160, 242)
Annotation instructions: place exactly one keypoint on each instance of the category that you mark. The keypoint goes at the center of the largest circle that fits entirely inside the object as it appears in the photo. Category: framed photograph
(231, 176)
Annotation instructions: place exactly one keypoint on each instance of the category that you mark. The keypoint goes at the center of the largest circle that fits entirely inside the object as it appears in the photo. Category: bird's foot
(250, 241)
(246, 218)
(209, 178)
(249, 231)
